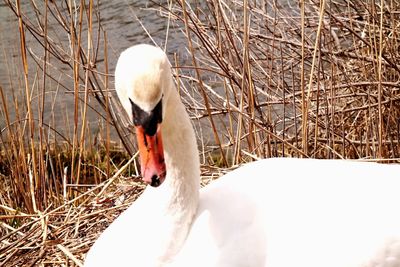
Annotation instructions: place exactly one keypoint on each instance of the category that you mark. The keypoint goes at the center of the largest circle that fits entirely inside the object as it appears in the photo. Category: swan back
(275, 212)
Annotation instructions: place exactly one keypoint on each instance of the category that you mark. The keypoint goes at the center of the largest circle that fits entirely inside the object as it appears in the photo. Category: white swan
(275, 212)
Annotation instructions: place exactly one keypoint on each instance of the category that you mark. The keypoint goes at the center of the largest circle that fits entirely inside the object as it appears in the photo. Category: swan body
(275, 212)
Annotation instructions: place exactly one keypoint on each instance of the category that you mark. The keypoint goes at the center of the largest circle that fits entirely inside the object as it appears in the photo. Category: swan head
(142, 81)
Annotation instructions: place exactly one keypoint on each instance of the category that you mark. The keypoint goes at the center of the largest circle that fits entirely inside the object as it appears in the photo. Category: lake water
(125, 22)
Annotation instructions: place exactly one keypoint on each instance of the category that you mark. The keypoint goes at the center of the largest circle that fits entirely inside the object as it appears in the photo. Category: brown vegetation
(263, 80)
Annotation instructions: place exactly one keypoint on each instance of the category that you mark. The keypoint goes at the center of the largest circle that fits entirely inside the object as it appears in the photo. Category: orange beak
(151, 154)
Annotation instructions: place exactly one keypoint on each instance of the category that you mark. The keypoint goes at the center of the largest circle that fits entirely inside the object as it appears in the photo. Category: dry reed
(315, 79)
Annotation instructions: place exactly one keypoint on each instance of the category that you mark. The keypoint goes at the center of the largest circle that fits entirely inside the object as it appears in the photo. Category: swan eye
(148, 120)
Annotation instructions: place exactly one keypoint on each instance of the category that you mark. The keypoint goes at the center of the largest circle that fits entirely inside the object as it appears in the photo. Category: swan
(276, 212)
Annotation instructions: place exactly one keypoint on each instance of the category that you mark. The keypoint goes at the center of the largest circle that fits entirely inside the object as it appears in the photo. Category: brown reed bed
(318, 79)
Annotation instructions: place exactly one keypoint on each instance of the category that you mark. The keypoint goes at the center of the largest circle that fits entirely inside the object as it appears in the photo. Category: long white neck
(181, 155)
(178, 197)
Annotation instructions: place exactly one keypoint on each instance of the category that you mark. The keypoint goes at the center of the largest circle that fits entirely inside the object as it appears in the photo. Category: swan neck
(178, 196)
(181, 153)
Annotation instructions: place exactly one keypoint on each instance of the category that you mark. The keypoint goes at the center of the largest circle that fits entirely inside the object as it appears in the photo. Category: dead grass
(263, 80)
(325, 88)
(61, 236)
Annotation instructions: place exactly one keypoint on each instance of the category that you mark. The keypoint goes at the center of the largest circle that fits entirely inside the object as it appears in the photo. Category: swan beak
(151, 154)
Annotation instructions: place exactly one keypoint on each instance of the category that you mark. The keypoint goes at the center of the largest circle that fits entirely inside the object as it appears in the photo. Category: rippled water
(124, 21)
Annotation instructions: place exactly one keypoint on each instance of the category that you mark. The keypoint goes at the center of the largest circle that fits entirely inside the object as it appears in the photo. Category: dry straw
(264, 79)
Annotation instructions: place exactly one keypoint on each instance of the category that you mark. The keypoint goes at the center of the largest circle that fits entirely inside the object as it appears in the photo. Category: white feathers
(142, 74)
(275, 212)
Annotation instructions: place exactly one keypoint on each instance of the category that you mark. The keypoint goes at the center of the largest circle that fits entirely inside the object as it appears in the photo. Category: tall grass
(42, 158)
(317, 79)
(305, 79)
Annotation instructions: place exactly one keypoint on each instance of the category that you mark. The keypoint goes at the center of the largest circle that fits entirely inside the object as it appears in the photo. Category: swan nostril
(155, 181)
